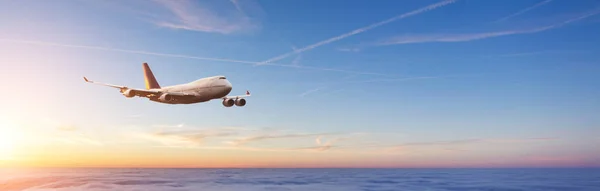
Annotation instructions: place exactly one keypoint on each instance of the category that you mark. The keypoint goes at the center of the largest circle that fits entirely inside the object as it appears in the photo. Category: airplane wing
(104, 84)
(238, 96)
(138, 92)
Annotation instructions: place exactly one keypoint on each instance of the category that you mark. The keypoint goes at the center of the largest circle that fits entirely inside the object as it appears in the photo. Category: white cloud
(204, 17)
(309, 92)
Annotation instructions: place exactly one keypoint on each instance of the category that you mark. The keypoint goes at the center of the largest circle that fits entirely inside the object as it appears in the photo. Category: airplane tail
(149, 78)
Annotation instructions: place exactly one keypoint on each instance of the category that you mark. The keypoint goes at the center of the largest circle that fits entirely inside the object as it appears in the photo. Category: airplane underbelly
(214, 92)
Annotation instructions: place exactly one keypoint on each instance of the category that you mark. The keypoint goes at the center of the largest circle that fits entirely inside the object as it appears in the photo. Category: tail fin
(149, 78)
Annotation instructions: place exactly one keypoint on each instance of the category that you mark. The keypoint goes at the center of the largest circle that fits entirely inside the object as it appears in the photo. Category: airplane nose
(228, 85)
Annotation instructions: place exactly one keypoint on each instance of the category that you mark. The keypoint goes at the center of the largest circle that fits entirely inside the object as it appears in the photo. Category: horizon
(415, 84)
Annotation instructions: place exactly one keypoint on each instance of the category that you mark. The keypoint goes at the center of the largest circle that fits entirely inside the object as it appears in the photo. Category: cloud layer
(300, 179)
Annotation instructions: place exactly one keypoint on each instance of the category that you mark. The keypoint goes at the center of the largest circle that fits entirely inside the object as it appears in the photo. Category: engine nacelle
(228, 102)
(240, 102)
(166, 98)
(128, 93)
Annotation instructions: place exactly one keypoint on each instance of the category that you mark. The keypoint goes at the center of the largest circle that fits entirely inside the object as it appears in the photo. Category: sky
(360, 84)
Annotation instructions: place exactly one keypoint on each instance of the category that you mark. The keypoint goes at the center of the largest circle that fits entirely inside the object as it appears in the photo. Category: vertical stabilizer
(149, 78)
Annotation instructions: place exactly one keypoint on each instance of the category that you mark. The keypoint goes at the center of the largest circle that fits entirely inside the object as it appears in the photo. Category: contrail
(360, 30)
(188, 57)
(524, 10)
(126, 51)
(478, 36)
(324, 86)
(309, 92)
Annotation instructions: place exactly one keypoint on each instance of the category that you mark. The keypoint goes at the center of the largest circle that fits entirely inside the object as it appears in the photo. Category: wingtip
(86, 80)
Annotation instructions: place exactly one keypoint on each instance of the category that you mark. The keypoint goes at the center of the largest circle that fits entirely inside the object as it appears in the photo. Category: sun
(8, 139)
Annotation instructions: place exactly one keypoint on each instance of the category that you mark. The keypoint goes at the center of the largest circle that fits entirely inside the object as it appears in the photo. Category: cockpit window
(222, 77)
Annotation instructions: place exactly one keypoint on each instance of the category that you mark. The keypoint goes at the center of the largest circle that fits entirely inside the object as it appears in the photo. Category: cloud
(296, 61)
(533, 53)
(348, 49)
(541, 139)
(524, 54)
(524, 10)
(171, 126)
(204, 17)
(322, 145)
(360, 30)
(189, 137)
(315, 148)
(237, 5)
(309, 92)
(186, 56)
(395, 79)
(267, 137)
(424, 38)
(470, 141)
(368, 81)
(231, 138)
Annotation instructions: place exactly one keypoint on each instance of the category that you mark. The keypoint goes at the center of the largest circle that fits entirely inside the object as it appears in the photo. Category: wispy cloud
(296, 61)
(523, 54)
(542, 52)
(235, 138)
(309, 92)
(360, 30)
(187, 56)
(395, 79)
(189, 137)
(366, 81)
(280, 136)
(237, 5)
(171, 126)
(424, 38)
(470, 141)
(204, 17)
(348, 49)
(321, 145)
(524, 10)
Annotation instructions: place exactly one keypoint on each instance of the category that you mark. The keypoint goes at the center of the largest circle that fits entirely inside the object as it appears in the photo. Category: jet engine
(128, 93)
(240, 102)
(228, 102)
(166, 98)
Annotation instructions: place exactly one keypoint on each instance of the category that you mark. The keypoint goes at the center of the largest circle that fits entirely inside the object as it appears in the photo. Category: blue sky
(412, 72)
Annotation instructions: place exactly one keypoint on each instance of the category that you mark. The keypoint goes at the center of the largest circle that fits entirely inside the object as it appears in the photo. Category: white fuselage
(201, 90)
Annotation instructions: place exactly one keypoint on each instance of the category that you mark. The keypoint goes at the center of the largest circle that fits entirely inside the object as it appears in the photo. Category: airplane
(201, 90)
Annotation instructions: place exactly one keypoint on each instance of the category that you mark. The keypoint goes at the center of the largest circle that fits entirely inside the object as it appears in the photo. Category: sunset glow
(8, 139)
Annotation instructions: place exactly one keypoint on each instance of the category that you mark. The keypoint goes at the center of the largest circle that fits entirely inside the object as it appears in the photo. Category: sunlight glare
(8, 139)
